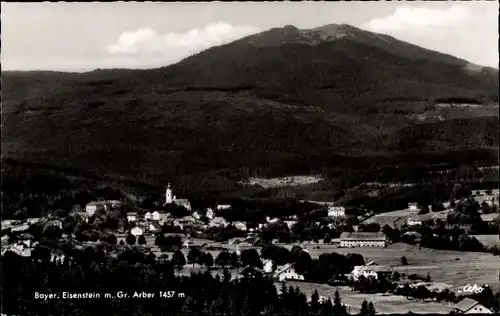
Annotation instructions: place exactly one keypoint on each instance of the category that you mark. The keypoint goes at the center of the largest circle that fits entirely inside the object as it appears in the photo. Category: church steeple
(168, 195)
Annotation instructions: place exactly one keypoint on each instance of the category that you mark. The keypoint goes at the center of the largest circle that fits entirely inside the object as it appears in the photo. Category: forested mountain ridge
(281, 102)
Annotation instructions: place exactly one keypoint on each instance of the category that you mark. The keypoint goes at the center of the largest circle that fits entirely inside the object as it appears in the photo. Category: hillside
(282, 102)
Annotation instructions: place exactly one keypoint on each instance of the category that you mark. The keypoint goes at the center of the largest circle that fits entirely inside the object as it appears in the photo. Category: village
(388, 265)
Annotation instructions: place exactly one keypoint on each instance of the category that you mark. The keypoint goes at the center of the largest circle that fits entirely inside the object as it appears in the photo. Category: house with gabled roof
(470, 306)
(287, 272)
(362, 239)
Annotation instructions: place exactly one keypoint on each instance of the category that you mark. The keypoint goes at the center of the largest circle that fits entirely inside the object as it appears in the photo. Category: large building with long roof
(362, 239)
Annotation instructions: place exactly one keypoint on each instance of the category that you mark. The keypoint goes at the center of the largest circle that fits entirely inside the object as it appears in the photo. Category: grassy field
(284, 181)
(473, 267)
(383, 304)
(394, 218)
(488, 240)
(489, 217)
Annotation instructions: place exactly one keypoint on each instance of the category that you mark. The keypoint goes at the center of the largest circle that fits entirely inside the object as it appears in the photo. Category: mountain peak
(290, 34)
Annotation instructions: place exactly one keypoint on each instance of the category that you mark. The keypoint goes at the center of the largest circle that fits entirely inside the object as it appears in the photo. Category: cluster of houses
(22, 247)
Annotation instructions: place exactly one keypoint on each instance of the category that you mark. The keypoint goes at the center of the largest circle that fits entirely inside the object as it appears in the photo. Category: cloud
(415, 18)
(457, 29)
(171, 47)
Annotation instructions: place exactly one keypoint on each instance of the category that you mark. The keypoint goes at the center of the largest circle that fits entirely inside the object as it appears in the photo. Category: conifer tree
(326, 308)
(371, 309)
(314, 304)
(364, 308)
(338, 307)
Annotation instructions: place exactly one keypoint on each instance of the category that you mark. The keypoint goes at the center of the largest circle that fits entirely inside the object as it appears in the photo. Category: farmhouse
(218, 222)
(470, 306)
(55, 222)
(272, 220)
(132, 217)
(157, 216)
(267, 265)
(240, 226)
(287, 272)
(414, 221)
(172, 199)
(178, 223)
(26, 239)
(373, 271)
(5, 240)
(359, 239)
(413, 206)
(223, 207)
(148, 216)
(210, 213)
(154, 227)
(188, 243)
(196, 215)
(336, 211)
(33, 220)
(93, 207)
(137, 231)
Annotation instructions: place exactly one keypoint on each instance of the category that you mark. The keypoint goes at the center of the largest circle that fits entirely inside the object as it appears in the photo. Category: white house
(114, 203)
(177, 223)
(413, 206)
(210, 213)
(157, 216)
(26, 239)
(290, 223)
(93, 207)
(370, 271)
(336, 211)
(154, 227)
(240, 226)
(170, 198)
(218, 222)
(362, 239)
(148, 216)
(56, 222)
(33, 220)
(223, 207)
(414, 221)
(287, 272)
(187, 243)
(272, 220)
(470, 306)
(267, 265)
(137, 231)
(196, 215)
(132, 217)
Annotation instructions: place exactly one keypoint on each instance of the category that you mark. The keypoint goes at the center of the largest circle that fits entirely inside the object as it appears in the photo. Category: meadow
(393, 219)
(488, 240)
(389, 304)
(448, 269)
(442, 265)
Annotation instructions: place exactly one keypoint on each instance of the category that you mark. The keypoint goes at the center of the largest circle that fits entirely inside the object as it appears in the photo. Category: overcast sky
(85, 36)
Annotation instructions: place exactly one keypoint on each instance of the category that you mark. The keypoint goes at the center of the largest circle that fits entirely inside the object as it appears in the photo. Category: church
(172, 199)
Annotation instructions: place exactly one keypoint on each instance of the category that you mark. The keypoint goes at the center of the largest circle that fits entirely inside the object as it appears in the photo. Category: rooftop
(362, 236)
(466, 304)
(284, 268)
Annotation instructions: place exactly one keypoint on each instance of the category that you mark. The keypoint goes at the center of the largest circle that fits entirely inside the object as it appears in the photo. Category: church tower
(168, 195)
